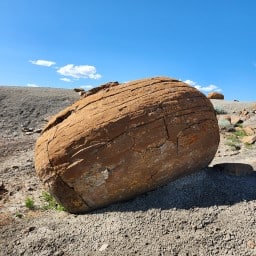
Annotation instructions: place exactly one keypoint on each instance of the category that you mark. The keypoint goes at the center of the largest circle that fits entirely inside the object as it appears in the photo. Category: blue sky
(66, 44)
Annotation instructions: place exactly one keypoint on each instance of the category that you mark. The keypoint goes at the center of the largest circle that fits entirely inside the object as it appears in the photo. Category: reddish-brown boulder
(215, 95)
(125, 140)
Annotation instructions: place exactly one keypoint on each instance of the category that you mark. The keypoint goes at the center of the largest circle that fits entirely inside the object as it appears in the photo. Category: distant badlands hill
(19, 103)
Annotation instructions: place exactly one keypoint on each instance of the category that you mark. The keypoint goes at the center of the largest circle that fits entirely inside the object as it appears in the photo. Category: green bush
(220, 111)
(49, 202)
(240, 133)
(225, 125)
(234, 139)
(29, 203)
(18, 215)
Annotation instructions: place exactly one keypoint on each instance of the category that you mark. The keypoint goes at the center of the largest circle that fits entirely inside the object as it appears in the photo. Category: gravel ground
(207, 213)
(233, 106)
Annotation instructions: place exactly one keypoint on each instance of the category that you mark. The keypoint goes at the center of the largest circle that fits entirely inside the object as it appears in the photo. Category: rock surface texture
(215, 95)
(125, 140)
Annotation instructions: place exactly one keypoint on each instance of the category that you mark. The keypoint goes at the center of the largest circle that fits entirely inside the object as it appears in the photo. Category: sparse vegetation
(220, 111)
(234, 139)
(49, 202)
(240, 133)
(234, 145)
(239, 125)
(225, 125)
(18, 215)
(29, 203)
(248, 146)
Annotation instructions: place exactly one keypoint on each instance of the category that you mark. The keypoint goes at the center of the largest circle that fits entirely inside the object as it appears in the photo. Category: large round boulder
(124, 140)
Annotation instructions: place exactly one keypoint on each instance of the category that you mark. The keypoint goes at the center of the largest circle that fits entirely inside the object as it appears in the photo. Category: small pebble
(103, 247)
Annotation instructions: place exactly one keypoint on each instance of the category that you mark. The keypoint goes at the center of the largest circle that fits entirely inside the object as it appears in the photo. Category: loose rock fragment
(236, 120)
(103, 247)
(251, 244)
(249, 130)
(249, 139)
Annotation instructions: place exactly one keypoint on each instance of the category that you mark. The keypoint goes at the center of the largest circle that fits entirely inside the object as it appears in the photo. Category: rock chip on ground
(124, 140)
(249, 130)
(249, 139)
(235, 120)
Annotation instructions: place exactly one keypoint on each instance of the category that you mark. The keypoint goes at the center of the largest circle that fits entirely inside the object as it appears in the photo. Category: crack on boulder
(133, 146)
(75, 192)
(146, 123)
(48, 155)
(47, 147)
(189, 113)
(66, 195)
(189, 125)
(94, 146)
(165, 123)
(124, 103)
(177, 145)
(161, 80)
(58, 119)
(152, 175)
(120, 92)
(128, 89)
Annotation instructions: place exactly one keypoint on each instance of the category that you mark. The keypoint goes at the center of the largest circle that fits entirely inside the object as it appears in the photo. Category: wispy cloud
(65, 79)
(45, 63)
(82, 71)
(190, 82)
(206, 89)
(33, 85)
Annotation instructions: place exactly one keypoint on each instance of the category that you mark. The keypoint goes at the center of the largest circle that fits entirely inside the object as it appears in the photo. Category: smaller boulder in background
(215, 96)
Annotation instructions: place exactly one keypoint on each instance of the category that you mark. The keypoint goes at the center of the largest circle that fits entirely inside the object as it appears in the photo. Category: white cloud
(65, 79)
(82, 71)
(206, 89)
(45, 63)
(86, 87)
(190, 82)
(33, 85)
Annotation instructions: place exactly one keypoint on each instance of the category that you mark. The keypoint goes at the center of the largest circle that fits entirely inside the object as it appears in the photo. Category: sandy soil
(208, 213)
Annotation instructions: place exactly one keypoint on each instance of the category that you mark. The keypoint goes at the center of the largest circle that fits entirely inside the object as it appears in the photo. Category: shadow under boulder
(210, 187)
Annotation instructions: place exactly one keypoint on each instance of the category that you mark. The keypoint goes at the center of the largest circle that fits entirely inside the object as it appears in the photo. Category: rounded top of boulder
(215, 96)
